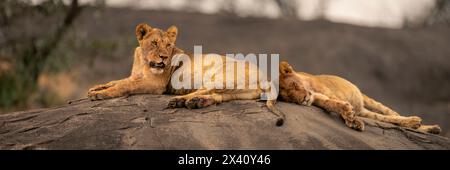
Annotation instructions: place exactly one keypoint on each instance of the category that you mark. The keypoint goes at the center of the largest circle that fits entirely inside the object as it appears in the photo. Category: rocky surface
(142, 122)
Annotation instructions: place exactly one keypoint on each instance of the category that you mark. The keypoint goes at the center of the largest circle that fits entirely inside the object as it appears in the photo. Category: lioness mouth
(160, 65)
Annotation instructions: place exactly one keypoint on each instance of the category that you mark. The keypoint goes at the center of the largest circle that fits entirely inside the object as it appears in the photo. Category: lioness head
(156, 46)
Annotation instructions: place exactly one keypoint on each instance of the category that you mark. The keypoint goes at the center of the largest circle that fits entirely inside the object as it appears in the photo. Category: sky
(372, 13)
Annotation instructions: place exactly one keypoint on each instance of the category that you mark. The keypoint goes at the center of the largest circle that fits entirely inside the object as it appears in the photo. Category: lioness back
(219, 73)
(340, 88)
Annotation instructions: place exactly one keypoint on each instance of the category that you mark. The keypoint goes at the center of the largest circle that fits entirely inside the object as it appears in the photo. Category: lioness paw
(412, 122)
(434, 129)
(176, 102)
(356, 124)
(101, 87)
(98, 95)
(347, 107)
(199, 102)
(308, 100)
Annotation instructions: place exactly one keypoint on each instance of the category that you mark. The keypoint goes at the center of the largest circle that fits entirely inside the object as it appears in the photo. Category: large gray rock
(142, 122)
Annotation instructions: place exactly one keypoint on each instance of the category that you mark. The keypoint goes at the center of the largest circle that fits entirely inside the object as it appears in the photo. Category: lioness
(338, 95)
(152, 72)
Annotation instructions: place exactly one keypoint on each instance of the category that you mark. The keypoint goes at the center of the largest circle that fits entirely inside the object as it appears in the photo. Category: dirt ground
(407, 70)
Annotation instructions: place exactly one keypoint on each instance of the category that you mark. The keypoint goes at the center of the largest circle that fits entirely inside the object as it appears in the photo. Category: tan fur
(336, 94)
(152, 71)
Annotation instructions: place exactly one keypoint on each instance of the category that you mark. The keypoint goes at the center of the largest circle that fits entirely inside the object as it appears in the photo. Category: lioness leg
(201, 101)
(136, 68)
(338, 106)
(180, 101)
(125, 87)
(105, 86)
(105, 91)
(204, 98)
(410, 122)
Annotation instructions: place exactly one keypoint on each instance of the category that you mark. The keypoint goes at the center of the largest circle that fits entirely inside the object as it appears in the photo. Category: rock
(142, 122)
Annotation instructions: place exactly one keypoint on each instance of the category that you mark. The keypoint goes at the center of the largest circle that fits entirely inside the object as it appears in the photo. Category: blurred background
(398, 52)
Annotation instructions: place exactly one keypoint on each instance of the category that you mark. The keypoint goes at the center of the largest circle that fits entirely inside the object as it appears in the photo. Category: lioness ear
(285, 68)
(141, 30)
(172, 31)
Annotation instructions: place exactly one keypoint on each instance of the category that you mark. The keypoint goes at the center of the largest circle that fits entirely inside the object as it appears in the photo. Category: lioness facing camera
(152, 72)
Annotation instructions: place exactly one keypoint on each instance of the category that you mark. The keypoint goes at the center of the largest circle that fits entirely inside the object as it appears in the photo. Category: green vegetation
(27, 53)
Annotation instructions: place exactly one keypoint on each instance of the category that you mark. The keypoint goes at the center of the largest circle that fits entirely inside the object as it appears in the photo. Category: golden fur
(338, 95)
(152, 72)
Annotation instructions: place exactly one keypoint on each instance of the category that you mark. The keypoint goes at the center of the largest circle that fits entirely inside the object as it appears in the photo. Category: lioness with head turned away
(152, 73)
(338, 95)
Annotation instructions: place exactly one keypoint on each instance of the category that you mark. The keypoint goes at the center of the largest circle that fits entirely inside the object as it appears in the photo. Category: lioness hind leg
(203, 98)
(201, 101)
(410, 122)
(180, 101)
(338, 106)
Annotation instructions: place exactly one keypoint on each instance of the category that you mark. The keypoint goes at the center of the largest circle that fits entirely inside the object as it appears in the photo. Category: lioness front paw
(100, 87)
(347, 107)
(356, 124)
(98, 95)
(199, 102)
(308, 100)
